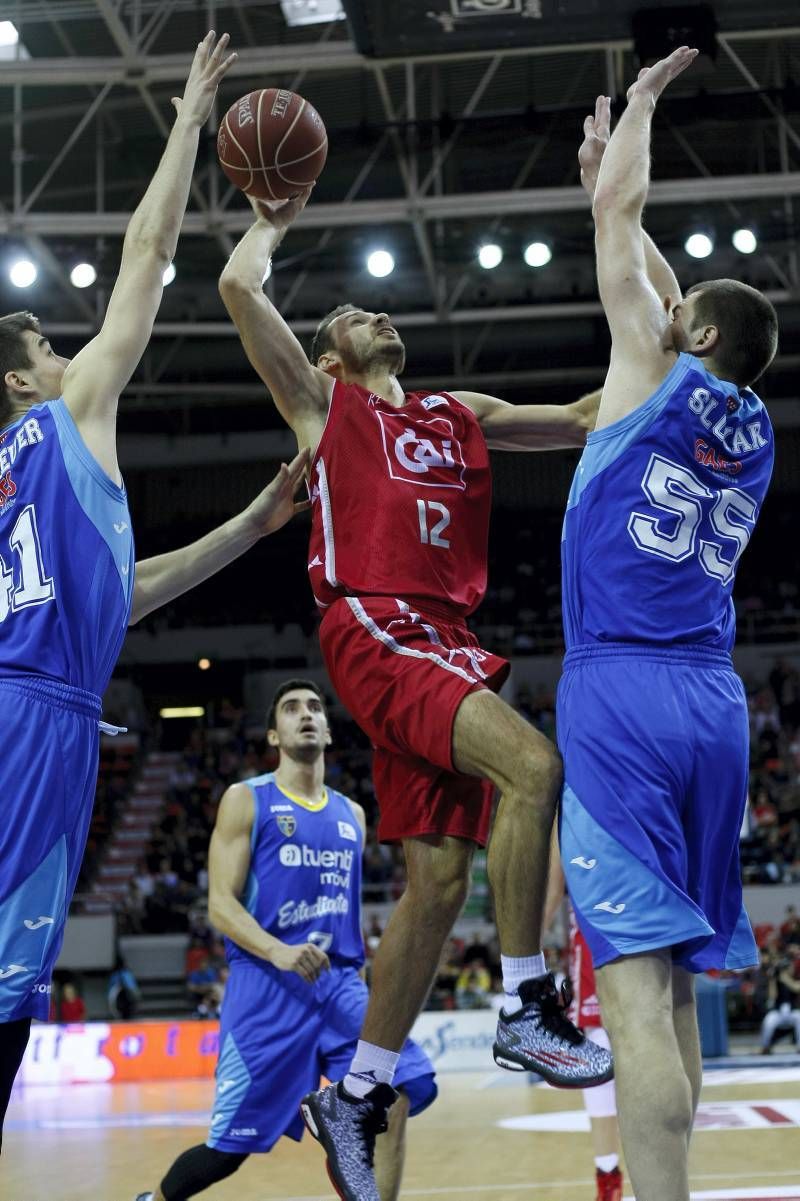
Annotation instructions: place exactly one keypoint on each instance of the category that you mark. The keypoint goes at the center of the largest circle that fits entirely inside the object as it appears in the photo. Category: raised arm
(160, 579)
(301, 392)
(229, 858)
(640, 352)
(533, 427)
(596, 134)
(97, 375)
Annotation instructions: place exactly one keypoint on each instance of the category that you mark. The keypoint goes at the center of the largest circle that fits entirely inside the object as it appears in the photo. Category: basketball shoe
(540, 1038)
(609, 1185)
(346, 1127)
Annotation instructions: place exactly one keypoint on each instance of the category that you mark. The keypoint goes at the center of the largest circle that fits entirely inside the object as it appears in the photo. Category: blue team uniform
(66, 584)
(279, 1035)
(652, 718)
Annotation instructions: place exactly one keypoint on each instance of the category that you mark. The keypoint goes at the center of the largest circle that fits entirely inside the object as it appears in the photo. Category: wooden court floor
(109, 1142)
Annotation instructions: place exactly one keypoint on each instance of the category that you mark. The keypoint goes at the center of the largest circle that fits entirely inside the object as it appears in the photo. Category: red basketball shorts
(402, 674)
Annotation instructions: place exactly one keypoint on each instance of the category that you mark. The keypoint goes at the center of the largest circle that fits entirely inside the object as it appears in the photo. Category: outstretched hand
(276, 505)
(651, 81)
(281, 213)
(596, 134)
(209, 66)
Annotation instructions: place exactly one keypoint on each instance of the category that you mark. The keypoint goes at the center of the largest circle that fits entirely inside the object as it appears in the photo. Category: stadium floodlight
(490, 255)
(169, 275)
(22, 273)
(312, 12)
(744, 240)
(698, 245)
(380, 263)
(538, 254)
(204, 664)
(82, 275)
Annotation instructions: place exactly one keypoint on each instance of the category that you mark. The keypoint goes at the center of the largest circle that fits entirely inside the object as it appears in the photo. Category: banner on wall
(122, 1052)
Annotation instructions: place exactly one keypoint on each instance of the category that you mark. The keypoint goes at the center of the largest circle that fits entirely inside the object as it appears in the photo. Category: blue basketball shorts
(47, 782)
(656, 747)
(278, 1036)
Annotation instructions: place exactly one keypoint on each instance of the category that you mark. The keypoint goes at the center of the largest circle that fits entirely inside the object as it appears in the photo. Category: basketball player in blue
(67, 576)
(285, 890)
(652, 719)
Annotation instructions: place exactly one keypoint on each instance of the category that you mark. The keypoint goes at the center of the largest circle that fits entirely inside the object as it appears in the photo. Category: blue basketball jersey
(662, 506)
(66, 554)
(304, 883)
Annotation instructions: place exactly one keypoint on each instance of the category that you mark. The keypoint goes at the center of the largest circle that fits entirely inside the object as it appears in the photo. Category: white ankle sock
(371, 1065)
(517, 968)
(606, 1163)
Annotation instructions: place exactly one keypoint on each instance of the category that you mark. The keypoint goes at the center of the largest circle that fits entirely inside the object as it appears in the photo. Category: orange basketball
(272, 143)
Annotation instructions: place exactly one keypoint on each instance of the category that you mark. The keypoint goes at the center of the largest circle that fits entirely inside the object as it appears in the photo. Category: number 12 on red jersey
(433, 511)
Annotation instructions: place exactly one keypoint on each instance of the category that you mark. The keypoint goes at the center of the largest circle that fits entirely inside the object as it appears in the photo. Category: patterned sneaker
(346, 1127)
(609, 1185)
(539, 1038)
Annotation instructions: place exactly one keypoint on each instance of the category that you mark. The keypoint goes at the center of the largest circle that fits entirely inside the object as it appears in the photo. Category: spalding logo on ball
(272, 143)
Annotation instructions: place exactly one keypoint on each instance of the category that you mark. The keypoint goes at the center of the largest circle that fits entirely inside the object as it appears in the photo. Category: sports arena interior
(451, 200)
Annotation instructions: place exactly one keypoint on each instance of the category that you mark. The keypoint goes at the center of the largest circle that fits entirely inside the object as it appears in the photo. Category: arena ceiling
(451, 123)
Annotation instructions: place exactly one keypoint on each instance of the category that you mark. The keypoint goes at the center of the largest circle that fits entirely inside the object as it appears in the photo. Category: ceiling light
(8, 33)
(204, 664)
(490, 255)
(311, 12)
(699, 246)
(745, 241)
(22, 273)
(538, 254)
(168, 275)
(380, 263)
(82, 275)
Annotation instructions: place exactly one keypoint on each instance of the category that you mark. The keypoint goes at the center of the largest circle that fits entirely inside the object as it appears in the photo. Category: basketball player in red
(401, 493)
(600, 1103)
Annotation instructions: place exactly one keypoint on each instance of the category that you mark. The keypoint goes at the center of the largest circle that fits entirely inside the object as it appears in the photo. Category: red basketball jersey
(400, 500)
(585, 1008)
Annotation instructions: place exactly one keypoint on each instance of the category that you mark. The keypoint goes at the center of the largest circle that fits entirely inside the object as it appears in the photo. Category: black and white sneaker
(346, 1128)
(540, 1038)
(144, 1197)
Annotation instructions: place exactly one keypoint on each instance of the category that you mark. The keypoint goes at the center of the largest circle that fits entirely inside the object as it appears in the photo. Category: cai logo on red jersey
(426, 454)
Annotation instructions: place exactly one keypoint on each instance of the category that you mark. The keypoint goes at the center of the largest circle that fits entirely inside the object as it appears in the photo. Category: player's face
(46, 376)
(368, 341)
(682, 333)
(301, 725)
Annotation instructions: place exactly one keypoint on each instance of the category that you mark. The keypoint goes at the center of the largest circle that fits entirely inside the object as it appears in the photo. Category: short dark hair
(291, 686)
(323, 342)
(747, 324)
(14, 350)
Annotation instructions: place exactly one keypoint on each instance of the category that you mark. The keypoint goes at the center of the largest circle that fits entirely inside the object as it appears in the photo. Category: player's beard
(383, 355)
(306, 752)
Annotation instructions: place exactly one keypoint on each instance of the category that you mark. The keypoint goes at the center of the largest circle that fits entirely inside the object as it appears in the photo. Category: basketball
(272, 143)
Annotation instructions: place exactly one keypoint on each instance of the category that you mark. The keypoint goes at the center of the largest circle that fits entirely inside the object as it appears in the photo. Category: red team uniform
(585, 1008)
(400, 522)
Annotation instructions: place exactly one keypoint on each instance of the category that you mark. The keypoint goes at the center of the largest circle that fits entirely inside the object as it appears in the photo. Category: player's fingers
(588, 127)
(224, 67)
(301, 506)
(216, 52)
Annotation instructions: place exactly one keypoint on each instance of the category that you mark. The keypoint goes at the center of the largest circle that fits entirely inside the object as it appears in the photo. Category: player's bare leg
(655, 1123)
(490, 739)
(438, 879)
(390, 1151)
(684, 1017)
